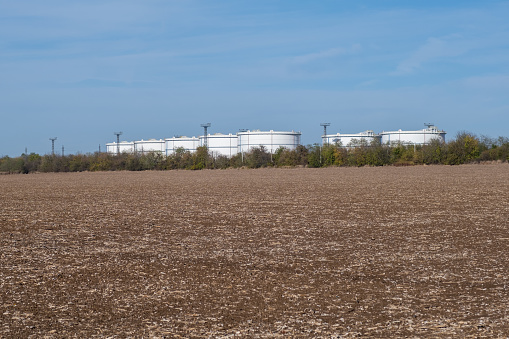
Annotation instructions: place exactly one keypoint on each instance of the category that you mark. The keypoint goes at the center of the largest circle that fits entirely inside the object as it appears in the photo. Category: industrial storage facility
(421, 137)
(245, 140)
(220, 144)
(121, 147)
(146, 146)
(187, 143)
(350, 140)
(271, 140)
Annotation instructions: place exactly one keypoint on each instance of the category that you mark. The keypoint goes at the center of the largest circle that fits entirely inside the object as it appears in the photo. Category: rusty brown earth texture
(337, 252)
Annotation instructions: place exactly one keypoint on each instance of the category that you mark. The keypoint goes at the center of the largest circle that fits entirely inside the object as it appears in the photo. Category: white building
(270, 140)
(421, 137)
(152, 145)
(187, 143)
(242, 142)
(220, 144)
(349, 140)
(122, 147)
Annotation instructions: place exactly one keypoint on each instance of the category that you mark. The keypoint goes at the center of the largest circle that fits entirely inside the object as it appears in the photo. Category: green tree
(357, 153)
(12, 165)
(314, 157)
(236, 161)
(465, 148)
(48, 164)
(377, 154)
(179, 159)
(221, 162)
(200, 158)
(32, 162)
(78, 162)
(435, 152)
(257, 157)
(133, 162)
(101, 162)
(152, 161)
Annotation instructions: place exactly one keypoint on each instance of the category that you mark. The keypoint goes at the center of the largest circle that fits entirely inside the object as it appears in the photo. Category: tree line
(465, 148)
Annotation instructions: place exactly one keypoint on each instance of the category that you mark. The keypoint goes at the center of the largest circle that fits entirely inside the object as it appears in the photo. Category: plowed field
(391, 251)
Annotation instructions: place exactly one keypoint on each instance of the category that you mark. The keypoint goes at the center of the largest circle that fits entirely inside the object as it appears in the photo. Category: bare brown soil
(383, 252)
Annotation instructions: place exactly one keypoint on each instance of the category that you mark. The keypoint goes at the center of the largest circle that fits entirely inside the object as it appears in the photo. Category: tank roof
(181, 137)
(257, 131)
(432, 130)
(368, 133)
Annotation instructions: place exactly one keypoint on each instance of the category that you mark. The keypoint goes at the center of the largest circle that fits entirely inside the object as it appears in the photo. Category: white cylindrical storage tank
(220, 144)
(127, 146)
(152, 145)
(350, 139)
(111, 147)
(421, 137)
(122, 147)
(188, 143)
(270, 140)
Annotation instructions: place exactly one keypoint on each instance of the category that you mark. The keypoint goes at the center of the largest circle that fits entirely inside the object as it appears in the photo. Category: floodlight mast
(325, 124)
(118, 134)
(53, 145)
(205, 137)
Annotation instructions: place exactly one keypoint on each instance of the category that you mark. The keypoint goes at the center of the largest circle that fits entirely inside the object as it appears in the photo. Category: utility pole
(118, 134)
(205, 126)
(53, 145)
(62, 150)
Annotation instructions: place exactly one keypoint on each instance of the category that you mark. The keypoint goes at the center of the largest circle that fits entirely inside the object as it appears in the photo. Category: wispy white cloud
(433, 50)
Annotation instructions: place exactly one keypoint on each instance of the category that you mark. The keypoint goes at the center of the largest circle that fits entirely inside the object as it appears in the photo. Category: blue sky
(81, 70)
